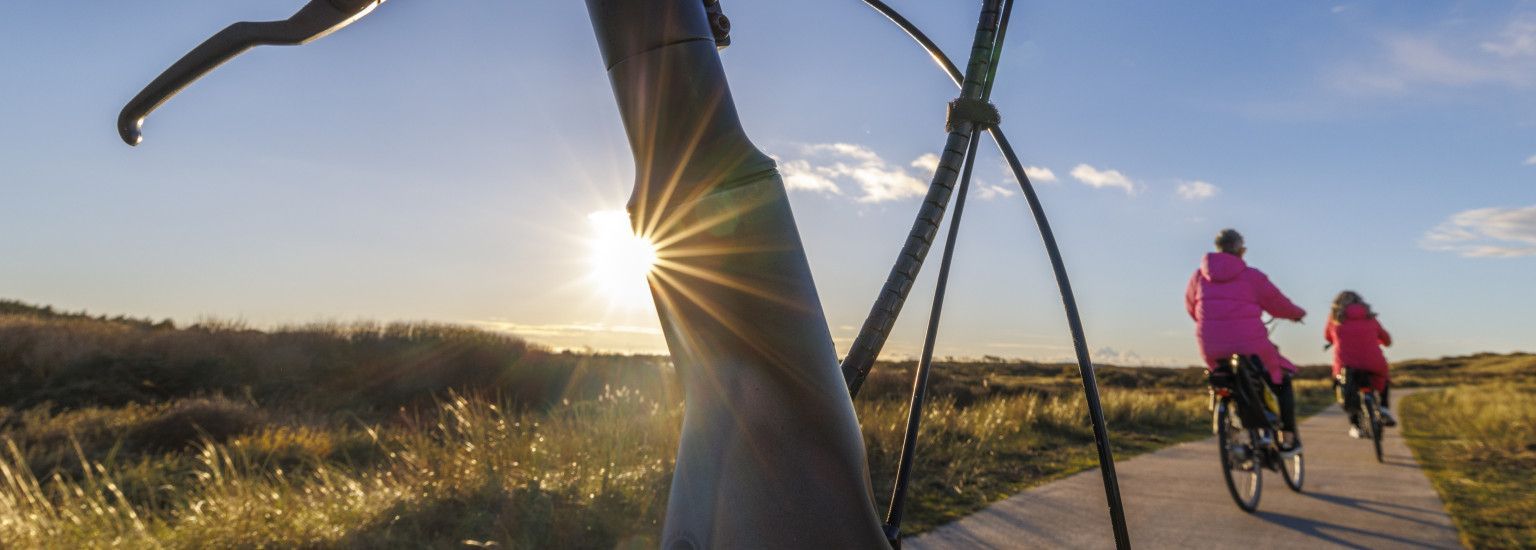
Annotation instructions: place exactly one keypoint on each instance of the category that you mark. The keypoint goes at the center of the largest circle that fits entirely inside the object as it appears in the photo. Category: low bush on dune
(189, 422)
(69, 361)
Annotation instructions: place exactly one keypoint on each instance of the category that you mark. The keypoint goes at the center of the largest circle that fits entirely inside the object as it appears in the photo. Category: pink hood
(1226, 298)
(1220, 268)
(1357, 341)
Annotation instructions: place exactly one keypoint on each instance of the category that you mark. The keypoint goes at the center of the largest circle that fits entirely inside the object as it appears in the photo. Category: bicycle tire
(1375, 418)
(1227, 436)
(1294, 471)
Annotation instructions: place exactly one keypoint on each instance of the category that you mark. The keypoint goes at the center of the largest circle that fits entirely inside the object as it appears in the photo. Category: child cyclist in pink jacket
(1225, 297)
(1357, 337)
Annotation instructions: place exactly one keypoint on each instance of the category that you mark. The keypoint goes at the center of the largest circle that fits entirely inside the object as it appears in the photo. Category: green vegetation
(1477, 442)
(1518, 368)
(136, 433)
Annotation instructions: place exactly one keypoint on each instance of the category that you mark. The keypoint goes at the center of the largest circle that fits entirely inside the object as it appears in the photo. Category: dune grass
(132, 433)
(1516, 368)
(1478, 446)
(589, 474)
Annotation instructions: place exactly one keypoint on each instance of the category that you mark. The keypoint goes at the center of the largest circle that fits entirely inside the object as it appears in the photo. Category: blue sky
(442, 161)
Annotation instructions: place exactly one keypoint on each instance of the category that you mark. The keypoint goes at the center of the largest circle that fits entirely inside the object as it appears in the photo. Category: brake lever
(313, 21)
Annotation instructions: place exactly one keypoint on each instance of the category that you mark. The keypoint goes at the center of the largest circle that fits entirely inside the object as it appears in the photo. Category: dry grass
(1478, 445)
(124, 432)
(970, 457)
(1468, 369)
(589, 474)
(586, 475)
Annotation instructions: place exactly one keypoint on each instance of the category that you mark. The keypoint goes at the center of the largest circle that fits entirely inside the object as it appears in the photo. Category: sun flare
(619, 259)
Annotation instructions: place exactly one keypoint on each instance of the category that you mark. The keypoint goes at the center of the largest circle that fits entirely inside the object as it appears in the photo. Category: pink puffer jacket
(1225, 298)
(1357, 343)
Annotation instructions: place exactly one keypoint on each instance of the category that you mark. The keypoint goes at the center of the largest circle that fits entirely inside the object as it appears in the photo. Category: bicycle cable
(855, 368)
(925, 364)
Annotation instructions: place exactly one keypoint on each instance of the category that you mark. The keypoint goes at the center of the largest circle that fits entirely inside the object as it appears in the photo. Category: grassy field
(1477, 443)
(1514, 368)
(138, 433)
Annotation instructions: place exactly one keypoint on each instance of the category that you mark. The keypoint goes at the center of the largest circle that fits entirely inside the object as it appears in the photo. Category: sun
(619, 259)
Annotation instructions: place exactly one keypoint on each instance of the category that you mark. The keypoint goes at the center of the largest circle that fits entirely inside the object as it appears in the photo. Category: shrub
(215, 419)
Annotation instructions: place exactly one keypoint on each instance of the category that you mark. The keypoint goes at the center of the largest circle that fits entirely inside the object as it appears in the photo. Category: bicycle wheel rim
(1294, 471)
(1245, 485)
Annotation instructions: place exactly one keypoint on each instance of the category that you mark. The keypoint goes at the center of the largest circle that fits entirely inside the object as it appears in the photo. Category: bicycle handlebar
(312, 22)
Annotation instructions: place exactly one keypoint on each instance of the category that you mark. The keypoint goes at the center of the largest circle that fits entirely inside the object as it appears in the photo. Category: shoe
(1288, 451)
(1386, 417)
(1354, 431)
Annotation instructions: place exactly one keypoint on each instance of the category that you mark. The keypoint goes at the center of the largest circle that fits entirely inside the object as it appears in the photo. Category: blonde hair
(1346, 299)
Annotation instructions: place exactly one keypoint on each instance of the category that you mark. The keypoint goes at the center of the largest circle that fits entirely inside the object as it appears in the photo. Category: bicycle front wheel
(1294, 470)
(1239, 459)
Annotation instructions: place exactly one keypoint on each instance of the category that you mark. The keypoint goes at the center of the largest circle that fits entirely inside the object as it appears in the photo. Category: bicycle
(1368, 411)
(694, 162)
(1243, 419)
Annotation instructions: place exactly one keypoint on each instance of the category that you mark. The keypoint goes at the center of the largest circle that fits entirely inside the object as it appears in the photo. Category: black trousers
(1353, 381)
(1286, 394)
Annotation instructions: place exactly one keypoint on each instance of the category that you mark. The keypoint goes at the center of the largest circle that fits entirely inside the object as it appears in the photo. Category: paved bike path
(1175, 498)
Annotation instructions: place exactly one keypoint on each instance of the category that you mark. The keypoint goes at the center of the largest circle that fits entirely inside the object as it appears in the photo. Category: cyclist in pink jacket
(1357, 338)
(1225, 297)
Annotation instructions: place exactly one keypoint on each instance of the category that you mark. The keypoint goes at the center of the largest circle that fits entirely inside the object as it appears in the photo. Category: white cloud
(1036, 174)
(1039, 174)
(1486, 233)
(1531, 161)
(824, 167)
(1422, 59)
(1415, 60)
(881, 182)
(799, 175)
(1110, 356)
(986, 191)
(929, 162)
(1518, 39)
(831, 168)
(1099, 179)
(1197, 190)
(847, 150)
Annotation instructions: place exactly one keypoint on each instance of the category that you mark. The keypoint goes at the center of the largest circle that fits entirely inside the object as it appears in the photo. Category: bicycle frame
(759, 369)
(732, 285)
(1367, 406)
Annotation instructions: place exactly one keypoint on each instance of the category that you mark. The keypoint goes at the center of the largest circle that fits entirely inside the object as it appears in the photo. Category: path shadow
(1373, 505)
(1315, 529)
(957, 537)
